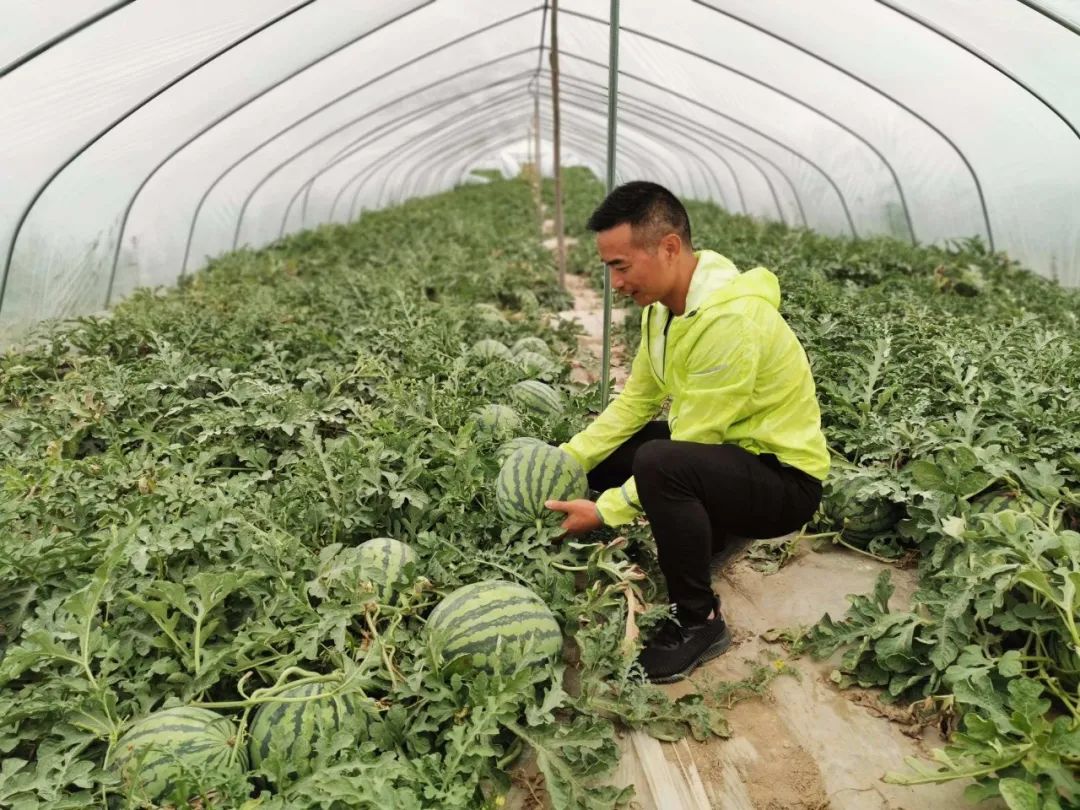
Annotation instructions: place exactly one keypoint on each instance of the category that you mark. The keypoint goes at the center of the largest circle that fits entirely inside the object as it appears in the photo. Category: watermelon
(469, 623)
(489, 312)
(532, 475)
(489, 349)
(383, 560)
(538, 397)
(509, 447)
(530, 344)
(294, 729)
(869, 519)
(533, 363)
(857, 502)
(526, 300)
(172, 754)
(497, 420)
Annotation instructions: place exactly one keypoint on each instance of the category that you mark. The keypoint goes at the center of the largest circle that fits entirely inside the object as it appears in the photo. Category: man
(741, 452)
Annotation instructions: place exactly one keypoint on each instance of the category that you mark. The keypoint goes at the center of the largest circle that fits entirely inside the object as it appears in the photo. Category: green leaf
(1019, 795)
(1010, 665)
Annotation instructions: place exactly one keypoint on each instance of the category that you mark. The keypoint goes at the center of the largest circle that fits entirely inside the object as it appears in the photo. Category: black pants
(695, 495)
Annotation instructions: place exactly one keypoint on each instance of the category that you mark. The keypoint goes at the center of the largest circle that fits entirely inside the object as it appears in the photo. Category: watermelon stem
(839, 538)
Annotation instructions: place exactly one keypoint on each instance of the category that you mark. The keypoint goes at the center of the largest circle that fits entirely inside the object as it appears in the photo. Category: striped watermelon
(526, 300)
(509, 447)
(538, 397)
(471, 621)
(382, 561)
(533, 363)
(532, 475)
(869, 519)
(174, 754)
(294, 729)
(489, 312)
(530, 344)
(497, 420)
(490, 349)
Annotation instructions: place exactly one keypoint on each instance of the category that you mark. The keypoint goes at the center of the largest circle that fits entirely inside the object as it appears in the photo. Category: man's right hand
(581, 515)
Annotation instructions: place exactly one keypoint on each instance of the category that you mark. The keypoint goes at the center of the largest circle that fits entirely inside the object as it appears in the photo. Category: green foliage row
(183, 482)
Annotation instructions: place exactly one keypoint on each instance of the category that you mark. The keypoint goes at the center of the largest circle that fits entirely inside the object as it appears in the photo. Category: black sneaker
(676, 651)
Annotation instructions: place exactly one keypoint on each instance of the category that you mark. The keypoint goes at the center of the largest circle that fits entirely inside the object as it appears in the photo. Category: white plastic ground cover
(143, 137)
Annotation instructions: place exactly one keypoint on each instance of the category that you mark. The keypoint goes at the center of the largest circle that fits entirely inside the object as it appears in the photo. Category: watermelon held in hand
(538, 397)
(174, 754)
(386, 563)
(293, 728)
(532, 475)
(490, 349)
(471, 623)
(506, 449)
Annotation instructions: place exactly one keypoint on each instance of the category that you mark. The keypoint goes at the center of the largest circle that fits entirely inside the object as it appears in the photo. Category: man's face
(637, 272)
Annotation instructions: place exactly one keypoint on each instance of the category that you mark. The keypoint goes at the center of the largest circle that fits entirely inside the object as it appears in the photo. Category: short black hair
(649, 208)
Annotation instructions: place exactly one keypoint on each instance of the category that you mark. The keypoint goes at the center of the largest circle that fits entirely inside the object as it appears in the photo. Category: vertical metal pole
(560, 236)
(538, 166)
(613, 103)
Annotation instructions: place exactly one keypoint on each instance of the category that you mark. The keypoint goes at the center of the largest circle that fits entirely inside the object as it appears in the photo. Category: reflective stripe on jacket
(734, 370)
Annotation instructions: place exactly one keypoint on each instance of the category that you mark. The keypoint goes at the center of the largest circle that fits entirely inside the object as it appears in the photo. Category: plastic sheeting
(142, 137)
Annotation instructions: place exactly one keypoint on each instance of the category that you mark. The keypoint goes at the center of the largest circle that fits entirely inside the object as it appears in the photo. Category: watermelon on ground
(869, 519)
(293, 729)
(526, 299)
(470, 622)
(174, 754)
(497, 420)
(530, 344)
(489, 312)
(857, 503)
(533, 363)
(490, 349)
(532, 475)
(538, 397)
(383, 561)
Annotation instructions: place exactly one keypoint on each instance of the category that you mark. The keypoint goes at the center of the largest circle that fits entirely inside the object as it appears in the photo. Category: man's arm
(627, 413)
(638, 402)
(720, 376)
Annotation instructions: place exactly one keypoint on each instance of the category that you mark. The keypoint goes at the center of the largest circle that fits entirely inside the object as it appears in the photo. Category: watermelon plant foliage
(187, 488)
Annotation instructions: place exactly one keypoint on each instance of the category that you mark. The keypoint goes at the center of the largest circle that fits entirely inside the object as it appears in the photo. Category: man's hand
(581, 515)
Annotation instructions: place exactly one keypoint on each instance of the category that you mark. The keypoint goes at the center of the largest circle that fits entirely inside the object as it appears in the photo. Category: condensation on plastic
(143, 138)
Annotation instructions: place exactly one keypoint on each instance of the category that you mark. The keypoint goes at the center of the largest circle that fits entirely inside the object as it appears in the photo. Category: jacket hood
(716, 281)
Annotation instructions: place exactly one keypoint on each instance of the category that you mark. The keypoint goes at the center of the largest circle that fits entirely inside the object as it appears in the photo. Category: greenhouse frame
(284, 281)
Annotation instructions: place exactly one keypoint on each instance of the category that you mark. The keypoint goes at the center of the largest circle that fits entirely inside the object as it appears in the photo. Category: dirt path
(807, 746)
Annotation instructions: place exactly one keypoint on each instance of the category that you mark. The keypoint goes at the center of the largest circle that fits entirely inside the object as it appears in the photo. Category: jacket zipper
(663, 357)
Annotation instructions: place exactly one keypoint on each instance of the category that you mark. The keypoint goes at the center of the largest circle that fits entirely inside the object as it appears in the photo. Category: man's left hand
(581, 515)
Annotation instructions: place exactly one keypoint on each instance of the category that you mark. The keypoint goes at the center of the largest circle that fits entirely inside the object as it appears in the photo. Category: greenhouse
(571, 404)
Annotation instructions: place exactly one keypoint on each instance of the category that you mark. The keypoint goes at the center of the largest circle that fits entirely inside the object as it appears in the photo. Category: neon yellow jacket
(735, 373)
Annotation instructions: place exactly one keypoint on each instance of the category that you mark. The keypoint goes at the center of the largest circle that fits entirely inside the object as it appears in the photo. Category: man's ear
(671, 244)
